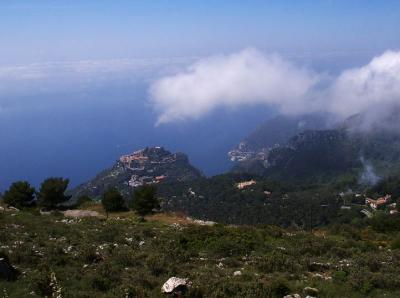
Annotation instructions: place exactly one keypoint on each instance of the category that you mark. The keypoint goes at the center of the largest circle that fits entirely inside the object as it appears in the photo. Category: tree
(113, 201)
(145, 200)
(52, 192)
(20, 194)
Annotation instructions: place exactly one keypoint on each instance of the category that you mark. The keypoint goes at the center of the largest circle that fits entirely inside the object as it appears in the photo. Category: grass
(126, 257)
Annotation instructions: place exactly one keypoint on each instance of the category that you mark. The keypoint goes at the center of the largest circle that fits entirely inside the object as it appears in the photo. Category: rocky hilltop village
(151, 165)
(148, 165)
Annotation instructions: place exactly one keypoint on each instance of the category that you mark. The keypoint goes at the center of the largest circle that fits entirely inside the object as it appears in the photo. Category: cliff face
(147, 166)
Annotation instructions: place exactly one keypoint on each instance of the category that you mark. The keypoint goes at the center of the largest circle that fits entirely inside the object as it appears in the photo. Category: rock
(11, 208)
(204, 222)
(175, 285)
(311, 291)
(292, 296)
(81, 213)
(7, 271)
(237, 273)
(315, 266)
(44, 212)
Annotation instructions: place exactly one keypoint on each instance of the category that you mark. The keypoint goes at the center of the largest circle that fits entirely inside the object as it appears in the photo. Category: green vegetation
(20, 194)
(267, 202)
(113, 201)
(123, 257)
(52, 192)
(154, 162)
(82, 200)
(144, 200)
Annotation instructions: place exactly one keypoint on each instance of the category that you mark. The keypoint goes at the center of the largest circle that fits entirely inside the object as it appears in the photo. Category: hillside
(124, 257)
(358, 143)
(276, 132)
(147, 166)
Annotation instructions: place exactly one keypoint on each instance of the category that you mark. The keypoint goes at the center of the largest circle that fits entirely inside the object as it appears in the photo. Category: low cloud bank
(377, 83)
(250, 77)
(243, 78)
(51, 77)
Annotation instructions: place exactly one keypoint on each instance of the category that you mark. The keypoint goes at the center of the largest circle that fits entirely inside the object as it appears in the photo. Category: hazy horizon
(83, 82)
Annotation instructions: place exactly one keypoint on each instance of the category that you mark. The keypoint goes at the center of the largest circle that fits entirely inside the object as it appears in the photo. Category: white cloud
(243, 78)
(249, 77)
(38, 78)
(359, 89)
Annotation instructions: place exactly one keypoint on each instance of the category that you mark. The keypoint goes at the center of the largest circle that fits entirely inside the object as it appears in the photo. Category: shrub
(396, 243)
(40, 281)
(82, 200)
(339, 276)
(113, 201)
(279, 288)
(145, 200)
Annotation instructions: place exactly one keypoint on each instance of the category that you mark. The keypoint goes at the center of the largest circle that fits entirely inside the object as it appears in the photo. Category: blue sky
(36, 31)
(75, 75)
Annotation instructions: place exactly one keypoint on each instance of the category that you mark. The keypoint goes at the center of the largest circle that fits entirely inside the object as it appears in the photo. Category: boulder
(7, 271)
(237, 273)
(176, 286)
(316, 266)
(11, 208)
(292, 296)
(44, 212)
(311, 291)
(81, 213)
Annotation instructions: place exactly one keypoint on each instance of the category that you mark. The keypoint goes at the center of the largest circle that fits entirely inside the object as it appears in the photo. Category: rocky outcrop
(153, 165)
(176, 286)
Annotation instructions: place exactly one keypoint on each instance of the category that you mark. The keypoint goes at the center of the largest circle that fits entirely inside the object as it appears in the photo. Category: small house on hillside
(378, 203)
(245, 184)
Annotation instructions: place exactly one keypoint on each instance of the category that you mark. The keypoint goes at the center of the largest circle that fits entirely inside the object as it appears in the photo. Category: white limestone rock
(237, 273)
(175, 285)
(81, 213)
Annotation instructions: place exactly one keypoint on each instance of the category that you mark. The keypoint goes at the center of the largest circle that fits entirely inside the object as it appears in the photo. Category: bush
(396, 243)
(279, 288)
(82, 200)
(113, 201)
(40, 281)
(339, 276)
(145, 200)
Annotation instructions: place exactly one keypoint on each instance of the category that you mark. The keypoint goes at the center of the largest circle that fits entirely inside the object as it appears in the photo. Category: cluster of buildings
(137, 180)
(382, 202)
(144, 165)
(245, 184)
(137, 156)
(138, 159)
(242, 153)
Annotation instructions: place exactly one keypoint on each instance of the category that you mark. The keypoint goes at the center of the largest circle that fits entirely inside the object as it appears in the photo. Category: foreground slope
(122, 257)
